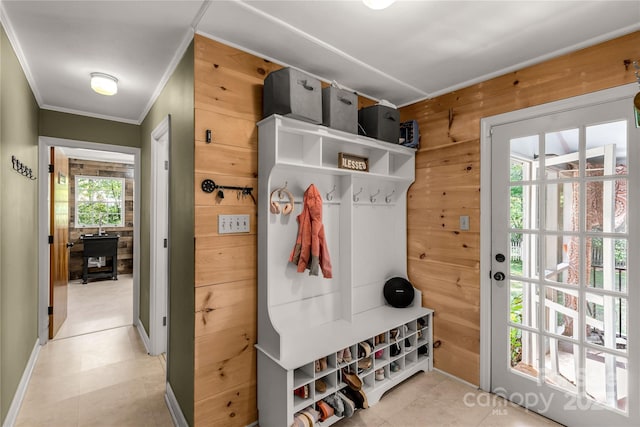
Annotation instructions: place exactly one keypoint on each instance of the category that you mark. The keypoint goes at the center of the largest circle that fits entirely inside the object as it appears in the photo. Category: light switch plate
(228, 224)
(464, 222)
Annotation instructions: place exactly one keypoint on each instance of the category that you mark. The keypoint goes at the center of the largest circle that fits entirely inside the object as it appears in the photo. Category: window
(99, 201)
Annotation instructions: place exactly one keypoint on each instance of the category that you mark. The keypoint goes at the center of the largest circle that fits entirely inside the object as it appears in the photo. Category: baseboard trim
(176, 413)
(18, 397)
(453, 377)
(143, 335)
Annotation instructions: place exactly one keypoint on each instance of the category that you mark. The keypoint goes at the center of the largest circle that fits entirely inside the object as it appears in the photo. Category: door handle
(70, 244)
(499, 276)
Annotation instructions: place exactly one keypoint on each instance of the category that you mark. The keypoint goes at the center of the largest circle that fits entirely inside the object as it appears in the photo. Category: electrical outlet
(464, 222)
(233, 224)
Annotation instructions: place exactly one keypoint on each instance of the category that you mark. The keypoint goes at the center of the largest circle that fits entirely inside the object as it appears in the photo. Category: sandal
(352, 380)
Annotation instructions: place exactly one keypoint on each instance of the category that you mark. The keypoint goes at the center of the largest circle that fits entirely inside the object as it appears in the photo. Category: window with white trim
(99, 201)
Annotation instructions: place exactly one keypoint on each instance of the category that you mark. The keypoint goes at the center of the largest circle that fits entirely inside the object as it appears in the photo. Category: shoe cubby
(305, 322)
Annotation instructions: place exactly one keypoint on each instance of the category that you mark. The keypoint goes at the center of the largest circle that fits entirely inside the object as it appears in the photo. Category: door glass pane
(606, 206)
(523, 207)
(562, 259)
(561, 311)
(606, 153)
(524, 255)
(606, 379)
(560, 363)
(607, 263)
(524, 351)
(562, 209)
(524, 154)
(523, 303)
(606, 319)
(561, 154)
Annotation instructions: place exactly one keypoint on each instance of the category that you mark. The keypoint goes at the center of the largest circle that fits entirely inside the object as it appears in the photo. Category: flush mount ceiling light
(378, 4)
(104, 84)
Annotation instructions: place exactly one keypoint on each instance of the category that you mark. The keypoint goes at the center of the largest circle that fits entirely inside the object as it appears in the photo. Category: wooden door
(59, 249)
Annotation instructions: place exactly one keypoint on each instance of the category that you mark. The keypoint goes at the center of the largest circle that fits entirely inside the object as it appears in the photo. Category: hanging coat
(311, 251)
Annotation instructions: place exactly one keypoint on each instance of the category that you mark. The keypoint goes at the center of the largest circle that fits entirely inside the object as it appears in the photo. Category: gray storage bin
(380, 122)
(294, 94)
(340, 109)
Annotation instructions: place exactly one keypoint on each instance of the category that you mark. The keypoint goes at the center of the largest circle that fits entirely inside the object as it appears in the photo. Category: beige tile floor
(105, 378)
(100, 379)
(98, 305)
(96, 371)
(434, 399)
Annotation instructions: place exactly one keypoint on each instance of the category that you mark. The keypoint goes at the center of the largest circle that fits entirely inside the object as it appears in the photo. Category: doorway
(101, 304)
(563, 229)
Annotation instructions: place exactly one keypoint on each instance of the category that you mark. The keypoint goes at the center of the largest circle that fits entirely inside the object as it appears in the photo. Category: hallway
(99, 379)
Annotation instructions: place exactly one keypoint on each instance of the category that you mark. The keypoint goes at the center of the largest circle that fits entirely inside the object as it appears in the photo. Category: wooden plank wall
(443, 262)
(125, 243)
(228, 100)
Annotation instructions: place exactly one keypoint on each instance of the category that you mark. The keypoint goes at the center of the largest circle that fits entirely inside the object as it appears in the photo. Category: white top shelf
(297, 126)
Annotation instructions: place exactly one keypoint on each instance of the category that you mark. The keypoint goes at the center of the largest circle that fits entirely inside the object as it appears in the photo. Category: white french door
(564, 264)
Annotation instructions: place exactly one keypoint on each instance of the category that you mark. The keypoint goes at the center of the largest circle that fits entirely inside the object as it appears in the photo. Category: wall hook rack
(355, 196)
(209, 186)
(372, 197)
(22, 169)
(330, 194)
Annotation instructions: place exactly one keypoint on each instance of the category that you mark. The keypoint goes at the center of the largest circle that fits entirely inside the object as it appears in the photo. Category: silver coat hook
(355, 196)
(387, 198)
(330, 193)
(373, 196)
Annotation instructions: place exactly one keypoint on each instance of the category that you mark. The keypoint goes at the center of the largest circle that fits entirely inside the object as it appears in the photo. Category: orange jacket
(310, 251)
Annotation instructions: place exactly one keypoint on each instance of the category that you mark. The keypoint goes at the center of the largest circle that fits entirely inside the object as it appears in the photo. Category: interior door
(565, 264)
(59, 249)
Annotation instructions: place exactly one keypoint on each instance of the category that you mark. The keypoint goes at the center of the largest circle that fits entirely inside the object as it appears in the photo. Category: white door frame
(486, 124)
(44, 144)
(159, 231)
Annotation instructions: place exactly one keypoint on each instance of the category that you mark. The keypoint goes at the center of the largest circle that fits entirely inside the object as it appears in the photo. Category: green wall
(82, 128)
(18, 224)
(176, 100)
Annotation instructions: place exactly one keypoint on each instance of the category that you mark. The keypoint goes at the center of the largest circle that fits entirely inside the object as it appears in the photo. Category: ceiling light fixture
(104, 84)
(378, 4)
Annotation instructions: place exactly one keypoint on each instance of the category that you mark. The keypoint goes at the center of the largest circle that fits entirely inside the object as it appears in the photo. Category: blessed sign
(356, 163)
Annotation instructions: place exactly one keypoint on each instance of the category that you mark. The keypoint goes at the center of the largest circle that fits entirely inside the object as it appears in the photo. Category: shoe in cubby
(394, 334)
(365, 364)
(395, 367)
(321, 365)
(365, 349)
(379, 374)
(395, 349)
(350, 378)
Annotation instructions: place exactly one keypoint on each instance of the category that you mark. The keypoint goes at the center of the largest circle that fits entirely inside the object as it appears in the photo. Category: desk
(105, 245)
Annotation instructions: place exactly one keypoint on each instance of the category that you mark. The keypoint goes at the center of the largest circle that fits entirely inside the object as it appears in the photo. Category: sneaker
(394, 366)
(326, 410)
(349, 406)
(380, 374)
(336, 403)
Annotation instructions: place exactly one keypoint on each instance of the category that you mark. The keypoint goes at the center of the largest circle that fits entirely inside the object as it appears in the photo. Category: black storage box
(340, 109)
(294, 94)
(380, 122)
